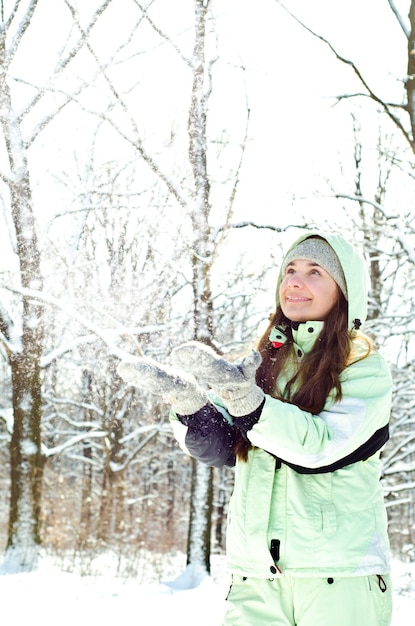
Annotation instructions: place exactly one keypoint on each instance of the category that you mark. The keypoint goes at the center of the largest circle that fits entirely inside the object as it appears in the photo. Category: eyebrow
(311, 263)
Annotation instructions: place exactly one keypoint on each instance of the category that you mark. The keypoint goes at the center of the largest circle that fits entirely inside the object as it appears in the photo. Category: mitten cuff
(239, 407)
(247, 422)
(190, 405)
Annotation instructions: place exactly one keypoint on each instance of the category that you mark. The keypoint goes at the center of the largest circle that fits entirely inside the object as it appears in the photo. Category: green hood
(355, 272)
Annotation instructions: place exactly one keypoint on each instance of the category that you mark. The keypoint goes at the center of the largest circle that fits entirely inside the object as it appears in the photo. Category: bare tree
(23, 335)
(201, 247)
(24, 348)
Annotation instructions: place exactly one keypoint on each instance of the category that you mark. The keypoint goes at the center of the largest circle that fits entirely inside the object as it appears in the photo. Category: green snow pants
(286, 601)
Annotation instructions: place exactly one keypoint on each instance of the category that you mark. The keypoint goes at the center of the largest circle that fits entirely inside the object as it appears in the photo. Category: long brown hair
(319, 372)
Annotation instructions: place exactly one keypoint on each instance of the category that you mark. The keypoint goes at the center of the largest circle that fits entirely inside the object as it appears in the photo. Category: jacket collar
(305, 334)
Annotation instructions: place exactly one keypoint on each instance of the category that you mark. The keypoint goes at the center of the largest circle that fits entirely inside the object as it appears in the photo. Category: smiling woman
(303, 420)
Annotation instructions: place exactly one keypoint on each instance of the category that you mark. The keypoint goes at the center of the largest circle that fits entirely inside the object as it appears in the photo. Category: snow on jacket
(309, 501)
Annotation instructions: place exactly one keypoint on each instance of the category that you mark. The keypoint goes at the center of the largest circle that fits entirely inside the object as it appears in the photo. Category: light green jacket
(332, 523)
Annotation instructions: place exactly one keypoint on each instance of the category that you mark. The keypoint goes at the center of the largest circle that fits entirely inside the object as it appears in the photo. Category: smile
(297, 299)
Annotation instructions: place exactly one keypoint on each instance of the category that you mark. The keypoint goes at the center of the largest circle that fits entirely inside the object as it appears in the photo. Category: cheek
(331, 299)
(335, 295)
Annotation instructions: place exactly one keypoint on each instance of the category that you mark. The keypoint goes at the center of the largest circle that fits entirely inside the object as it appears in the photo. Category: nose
(295, 281)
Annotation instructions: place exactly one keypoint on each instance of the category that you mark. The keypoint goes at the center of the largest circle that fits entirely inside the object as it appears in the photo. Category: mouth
(297, 299)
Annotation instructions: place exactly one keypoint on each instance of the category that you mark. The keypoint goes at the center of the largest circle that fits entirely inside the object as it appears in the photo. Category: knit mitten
(234, 383)
(177, 387)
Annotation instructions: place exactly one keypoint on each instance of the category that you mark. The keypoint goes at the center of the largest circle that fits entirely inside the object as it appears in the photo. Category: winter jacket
(309, 501)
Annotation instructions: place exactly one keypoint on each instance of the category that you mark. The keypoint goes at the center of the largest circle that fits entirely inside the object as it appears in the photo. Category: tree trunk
(27, 462)
(198, 551)
(86, 492)
(410, 82)
(200, 526)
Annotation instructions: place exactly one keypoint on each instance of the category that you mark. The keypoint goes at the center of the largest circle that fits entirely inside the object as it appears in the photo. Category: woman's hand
(233, 382)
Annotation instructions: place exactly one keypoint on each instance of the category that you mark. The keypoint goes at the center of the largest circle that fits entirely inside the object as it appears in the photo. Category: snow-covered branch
(106, 336)
(72, 441)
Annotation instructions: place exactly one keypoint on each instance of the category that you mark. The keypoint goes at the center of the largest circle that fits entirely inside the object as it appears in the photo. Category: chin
(295, 317)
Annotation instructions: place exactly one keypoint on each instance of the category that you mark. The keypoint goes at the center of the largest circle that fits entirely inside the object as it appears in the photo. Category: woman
(303, 420)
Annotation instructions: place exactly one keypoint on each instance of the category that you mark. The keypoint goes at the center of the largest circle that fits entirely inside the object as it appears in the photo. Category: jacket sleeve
(340, 432)
(208, 435)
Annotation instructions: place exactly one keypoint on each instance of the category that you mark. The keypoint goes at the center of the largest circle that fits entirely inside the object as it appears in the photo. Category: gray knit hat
(320, 252)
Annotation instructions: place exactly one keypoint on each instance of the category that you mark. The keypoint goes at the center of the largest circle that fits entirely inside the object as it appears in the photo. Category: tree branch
(43, 299)
(399, 18)
(162, 34)
(22, 26)
(135, 140)
(359, 75)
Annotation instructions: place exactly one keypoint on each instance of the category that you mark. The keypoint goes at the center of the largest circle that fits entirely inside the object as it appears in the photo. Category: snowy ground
(50, 596)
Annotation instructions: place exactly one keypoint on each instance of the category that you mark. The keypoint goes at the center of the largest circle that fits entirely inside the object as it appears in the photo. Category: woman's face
(307, 292)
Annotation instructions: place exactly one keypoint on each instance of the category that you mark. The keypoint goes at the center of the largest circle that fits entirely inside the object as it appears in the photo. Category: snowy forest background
(156, 158)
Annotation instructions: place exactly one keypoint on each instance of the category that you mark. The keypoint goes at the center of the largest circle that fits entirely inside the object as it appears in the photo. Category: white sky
(298, 139)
